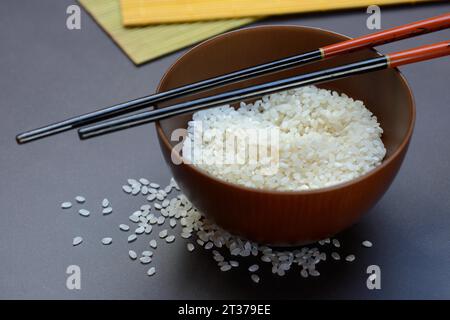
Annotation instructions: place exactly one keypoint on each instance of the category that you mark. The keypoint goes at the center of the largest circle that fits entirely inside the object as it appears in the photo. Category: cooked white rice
(324, 138)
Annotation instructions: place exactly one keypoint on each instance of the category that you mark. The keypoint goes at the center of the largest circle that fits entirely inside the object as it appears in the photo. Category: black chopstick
(386, 36)
(232, 96)
(386, 61)
(148, 101)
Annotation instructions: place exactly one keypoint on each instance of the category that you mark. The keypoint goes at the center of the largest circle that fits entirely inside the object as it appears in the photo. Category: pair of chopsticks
(391, 60)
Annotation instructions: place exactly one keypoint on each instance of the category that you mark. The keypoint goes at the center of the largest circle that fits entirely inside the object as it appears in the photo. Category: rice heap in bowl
(322, 138)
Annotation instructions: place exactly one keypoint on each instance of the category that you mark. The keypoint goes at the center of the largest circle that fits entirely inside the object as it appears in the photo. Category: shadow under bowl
(278, 217)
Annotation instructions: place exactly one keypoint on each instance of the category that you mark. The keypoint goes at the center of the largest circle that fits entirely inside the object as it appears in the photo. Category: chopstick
(401, 32)
(392, 60)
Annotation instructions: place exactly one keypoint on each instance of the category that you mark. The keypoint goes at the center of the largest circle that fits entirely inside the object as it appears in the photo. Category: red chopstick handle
(423, 53)
(390, 35)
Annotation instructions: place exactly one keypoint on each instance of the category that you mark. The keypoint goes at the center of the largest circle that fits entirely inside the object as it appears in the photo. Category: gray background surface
(48, 73)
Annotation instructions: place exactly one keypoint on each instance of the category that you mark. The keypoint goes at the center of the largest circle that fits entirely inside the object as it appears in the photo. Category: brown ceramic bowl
(278, 217)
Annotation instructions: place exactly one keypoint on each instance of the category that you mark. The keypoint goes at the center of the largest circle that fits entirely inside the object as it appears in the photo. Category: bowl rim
(384, 163)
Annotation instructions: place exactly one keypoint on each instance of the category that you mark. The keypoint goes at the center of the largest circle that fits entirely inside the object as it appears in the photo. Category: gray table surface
(48, 73)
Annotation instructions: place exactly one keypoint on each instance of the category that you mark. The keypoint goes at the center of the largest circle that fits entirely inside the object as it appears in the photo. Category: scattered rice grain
(126, 189)
(66, 205)
(107, 241)
(132, 254)
(253, 268)
(80, 199)
(225, 267)
(84, 212)
(255, 278)
(153, 243)
(124, 227)
(107, 210)
(163, 233)
(76, 241)
(151, 271)
(350, 258)
(145, 259)
(105, 203)
(367, 244)
(170, 239)
(147, 253)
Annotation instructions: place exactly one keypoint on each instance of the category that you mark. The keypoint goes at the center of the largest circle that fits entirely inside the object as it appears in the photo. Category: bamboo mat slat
(144, 12)
(146, 43)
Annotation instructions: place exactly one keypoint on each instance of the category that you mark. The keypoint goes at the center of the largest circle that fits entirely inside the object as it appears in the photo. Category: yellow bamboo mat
(144, 12)
(147, 43)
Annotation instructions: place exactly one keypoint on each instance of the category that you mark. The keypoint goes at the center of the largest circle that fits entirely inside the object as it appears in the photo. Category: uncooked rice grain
(350, 258)
(163, 233)
(84, 212)
(145, 259)
(124, 227)
(335, 256)
(253, 268)
(126, 189)
(153, 243)
(105, 203)
(76, 241)
(225, 267)
(222, 244)
(139, 230)
(336, 243)
(107, 210)
(255, 278)
(234, 263)
(107, 241)
(66, 205)
(190, 247)
(367, 244)
(133, 182)
(151, 271)
(80, 199)
(161, 220)
(147, 253)
(209, 245)
(170, 239)
(325, 138)
(132, 254)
